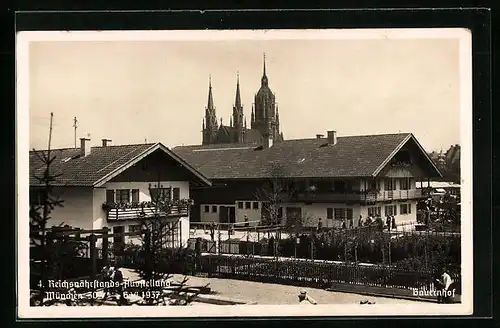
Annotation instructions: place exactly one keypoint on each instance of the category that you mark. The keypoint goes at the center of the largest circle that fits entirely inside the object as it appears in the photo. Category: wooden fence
(317, 274)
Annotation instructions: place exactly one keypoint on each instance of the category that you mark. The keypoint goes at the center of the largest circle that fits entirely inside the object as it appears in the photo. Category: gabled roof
(100, 166)
(352, 156)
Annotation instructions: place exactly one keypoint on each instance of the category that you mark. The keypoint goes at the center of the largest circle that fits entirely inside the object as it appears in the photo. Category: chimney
(319, 136)
(105, 142)
(84, 147)
(332, 137)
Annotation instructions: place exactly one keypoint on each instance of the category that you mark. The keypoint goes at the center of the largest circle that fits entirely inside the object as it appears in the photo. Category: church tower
(265, 117)
(238, 118)
(210, 126)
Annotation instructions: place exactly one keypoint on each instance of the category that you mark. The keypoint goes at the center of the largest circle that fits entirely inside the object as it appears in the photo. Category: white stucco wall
(99, 198)
(77, 211)
(251, 213)
(210, 216)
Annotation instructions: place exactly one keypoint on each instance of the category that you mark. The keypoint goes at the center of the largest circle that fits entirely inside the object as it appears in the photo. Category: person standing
(393, 223)
(443, 283)
(388, 222)
(246, 220)
(212, 231)
(118, 280)
(320, 225)
(360, 221)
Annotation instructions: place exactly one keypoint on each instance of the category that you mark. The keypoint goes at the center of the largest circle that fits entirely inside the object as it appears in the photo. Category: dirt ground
(265, 293)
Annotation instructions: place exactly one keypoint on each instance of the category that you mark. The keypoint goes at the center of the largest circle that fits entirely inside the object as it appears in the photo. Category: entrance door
(232, 214)
(118, 241)
(294, 216)
(223, 214)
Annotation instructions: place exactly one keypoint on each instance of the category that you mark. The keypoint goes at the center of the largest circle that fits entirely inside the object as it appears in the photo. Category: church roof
(351, 156)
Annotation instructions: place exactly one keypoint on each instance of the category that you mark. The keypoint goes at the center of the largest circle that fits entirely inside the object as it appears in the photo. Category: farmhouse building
(335, 179)
(111, 186)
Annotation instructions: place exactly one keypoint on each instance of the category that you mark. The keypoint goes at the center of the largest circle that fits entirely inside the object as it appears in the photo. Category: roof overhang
(398, 148)
(145, 153)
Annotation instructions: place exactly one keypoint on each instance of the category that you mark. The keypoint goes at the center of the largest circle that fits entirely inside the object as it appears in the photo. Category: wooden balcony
(353, 197)
(137, 211)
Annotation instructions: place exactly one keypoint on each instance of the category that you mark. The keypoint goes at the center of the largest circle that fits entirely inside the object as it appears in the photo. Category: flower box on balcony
(128, 211)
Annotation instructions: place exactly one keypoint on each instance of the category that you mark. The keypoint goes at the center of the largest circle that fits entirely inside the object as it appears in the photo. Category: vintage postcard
(244, 173)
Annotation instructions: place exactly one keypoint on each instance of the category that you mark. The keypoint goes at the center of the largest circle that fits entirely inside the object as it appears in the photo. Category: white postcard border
(23, 40)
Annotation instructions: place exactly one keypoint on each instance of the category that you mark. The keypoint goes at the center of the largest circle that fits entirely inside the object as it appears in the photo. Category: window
(342, 213)
(389, 184)
(240, 205)
(247, 205)
(405, 209)
(176, 194)
(390, 210)
(135, 195)
(339, 213)
(374, 211)
(123, 195)
(207, 208)
(110, 196)
(214, 209)
(404, 184)
(329, 213)
(172, 232)
(134, 228)
(160, 194)
(255, 205)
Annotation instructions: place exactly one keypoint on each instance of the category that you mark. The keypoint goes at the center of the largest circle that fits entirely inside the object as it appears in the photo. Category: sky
(156, 91)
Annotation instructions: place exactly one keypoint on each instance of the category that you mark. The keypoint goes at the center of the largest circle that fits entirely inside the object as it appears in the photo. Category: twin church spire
(264, 117)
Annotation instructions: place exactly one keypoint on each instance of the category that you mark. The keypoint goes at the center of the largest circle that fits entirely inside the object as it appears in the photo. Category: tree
(274, 192)
(159, 260)
(39, 215)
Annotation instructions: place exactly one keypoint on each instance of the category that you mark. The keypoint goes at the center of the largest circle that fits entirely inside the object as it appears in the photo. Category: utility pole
(50, 131)
(75, 122)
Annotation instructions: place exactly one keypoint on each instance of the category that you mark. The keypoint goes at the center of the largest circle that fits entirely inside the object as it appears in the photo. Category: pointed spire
(237, 102)
(264, 81)
(252, 118)
(210, 104)
(203, 125)
(245, 123)
(221, 121)
(230, 121)
(264, 64)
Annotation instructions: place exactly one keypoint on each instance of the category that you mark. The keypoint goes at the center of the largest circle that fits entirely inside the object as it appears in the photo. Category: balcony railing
(131, 211)
(358, 196)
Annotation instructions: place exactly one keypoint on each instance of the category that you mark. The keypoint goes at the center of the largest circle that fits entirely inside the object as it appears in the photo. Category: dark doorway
(223, 214)
(294, 216)
(118, 241)
(232, 214)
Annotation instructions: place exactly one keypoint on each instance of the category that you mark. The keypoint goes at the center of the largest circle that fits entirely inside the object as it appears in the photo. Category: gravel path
(272, 294)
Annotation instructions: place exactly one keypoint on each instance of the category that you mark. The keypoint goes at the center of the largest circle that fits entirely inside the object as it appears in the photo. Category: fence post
(105, 245)
(93, 254)
(390, 260)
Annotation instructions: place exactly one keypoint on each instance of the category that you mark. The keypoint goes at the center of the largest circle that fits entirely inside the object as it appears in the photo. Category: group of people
(390, 222)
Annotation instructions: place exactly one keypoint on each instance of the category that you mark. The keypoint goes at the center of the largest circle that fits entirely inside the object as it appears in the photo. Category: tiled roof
(88, 170)
(84, 171)
(353, 156)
